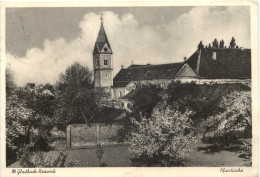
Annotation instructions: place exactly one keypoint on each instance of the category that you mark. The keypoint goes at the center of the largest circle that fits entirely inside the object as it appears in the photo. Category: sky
(42, 42)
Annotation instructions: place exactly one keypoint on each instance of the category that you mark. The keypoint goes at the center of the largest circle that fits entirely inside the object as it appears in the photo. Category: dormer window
(105, 61)
(128, 74)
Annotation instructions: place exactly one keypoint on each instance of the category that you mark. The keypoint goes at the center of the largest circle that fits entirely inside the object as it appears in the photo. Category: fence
(87, 135)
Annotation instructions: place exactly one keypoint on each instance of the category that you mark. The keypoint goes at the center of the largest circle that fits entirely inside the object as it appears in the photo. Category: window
(214, 55)
(107, 75)
(162, 85)
(105, 61)
(97, 62)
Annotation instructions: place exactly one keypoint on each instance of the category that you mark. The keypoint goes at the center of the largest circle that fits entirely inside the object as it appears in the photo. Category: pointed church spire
(102, 39)
(101, 18)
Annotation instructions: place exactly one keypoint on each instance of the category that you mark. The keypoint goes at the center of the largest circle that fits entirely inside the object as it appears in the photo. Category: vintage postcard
(129, 89)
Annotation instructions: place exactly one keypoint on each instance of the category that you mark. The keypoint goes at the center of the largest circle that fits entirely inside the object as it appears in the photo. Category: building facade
(102, 61)
(206, 65)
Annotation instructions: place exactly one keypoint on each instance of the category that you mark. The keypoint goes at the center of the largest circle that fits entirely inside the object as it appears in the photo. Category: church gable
(106, 49)
(186, 71)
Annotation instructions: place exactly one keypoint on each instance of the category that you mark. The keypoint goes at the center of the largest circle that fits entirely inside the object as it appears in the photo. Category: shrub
(236, 116)
(30, 159)
(146, 97)
(163, 139)
(204, 100)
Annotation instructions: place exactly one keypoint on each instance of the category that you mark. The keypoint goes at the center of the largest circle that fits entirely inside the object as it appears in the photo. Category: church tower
(102, 61)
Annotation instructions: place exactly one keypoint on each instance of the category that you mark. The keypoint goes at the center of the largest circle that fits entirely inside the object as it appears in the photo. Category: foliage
(163, 139)
(31, 159)
(27, 122)
(146, 97)
(221, 44)
(200, 46)
(99, 153)
(77, 101)
(246, 152)
(42, 120)
(215, 43)
(17, 116)
(10, 85)
(203, 99)
(232, 43)
(235, 117)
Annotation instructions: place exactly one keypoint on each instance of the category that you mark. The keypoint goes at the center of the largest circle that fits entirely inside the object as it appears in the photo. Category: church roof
(101, 40)
(229, 63)
(148, 72)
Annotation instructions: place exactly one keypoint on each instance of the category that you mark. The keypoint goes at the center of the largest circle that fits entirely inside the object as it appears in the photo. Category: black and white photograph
(128, 86)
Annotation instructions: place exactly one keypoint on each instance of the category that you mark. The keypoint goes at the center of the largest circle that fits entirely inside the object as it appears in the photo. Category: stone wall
(87, 135)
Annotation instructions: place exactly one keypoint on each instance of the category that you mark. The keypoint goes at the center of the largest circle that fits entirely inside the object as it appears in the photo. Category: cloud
(131, 42)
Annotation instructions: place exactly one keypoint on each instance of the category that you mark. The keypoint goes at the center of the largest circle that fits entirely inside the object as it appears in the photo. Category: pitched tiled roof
(134, 65)
(229, 63)
(148, 72)
(120, 84)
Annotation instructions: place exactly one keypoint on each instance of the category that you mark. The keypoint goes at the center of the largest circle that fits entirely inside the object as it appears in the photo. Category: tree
(221, 44)
(200, 46)
(235, 117)
(77, 101)
(17, 116)
(163, 139)
(232, 43)
(146, 97)
(42, 119)
(10, 85)
(215, 43)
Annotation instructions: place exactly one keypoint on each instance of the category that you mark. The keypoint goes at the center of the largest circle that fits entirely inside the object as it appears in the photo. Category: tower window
(107, 75)
(105, 61)
(97, 62)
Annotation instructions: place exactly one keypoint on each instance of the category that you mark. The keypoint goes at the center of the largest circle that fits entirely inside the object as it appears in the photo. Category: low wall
(86, 135)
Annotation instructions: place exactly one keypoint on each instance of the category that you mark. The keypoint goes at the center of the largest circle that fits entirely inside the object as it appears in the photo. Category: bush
(236, 117)
(163, 139)
(146, 97)
(204, 100)
(30, 159)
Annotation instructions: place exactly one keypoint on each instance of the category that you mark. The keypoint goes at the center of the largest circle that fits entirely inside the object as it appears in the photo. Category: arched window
(105, 61)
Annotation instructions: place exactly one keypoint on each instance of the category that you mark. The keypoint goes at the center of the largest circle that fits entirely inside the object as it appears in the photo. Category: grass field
(119, 156)
(202, 155)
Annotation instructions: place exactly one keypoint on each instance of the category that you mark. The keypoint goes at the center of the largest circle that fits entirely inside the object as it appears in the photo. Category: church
(206, 65)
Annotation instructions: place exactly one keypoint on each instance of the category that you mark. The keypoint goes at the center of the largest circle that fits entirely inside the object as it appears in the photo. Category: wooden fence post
(98, 134)
(68, 136)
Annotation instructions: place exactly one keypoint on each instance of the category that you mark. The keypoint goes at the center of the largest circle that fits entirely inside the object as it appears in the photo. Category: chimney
(185, 59)
(122, 66)
(214, 55)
